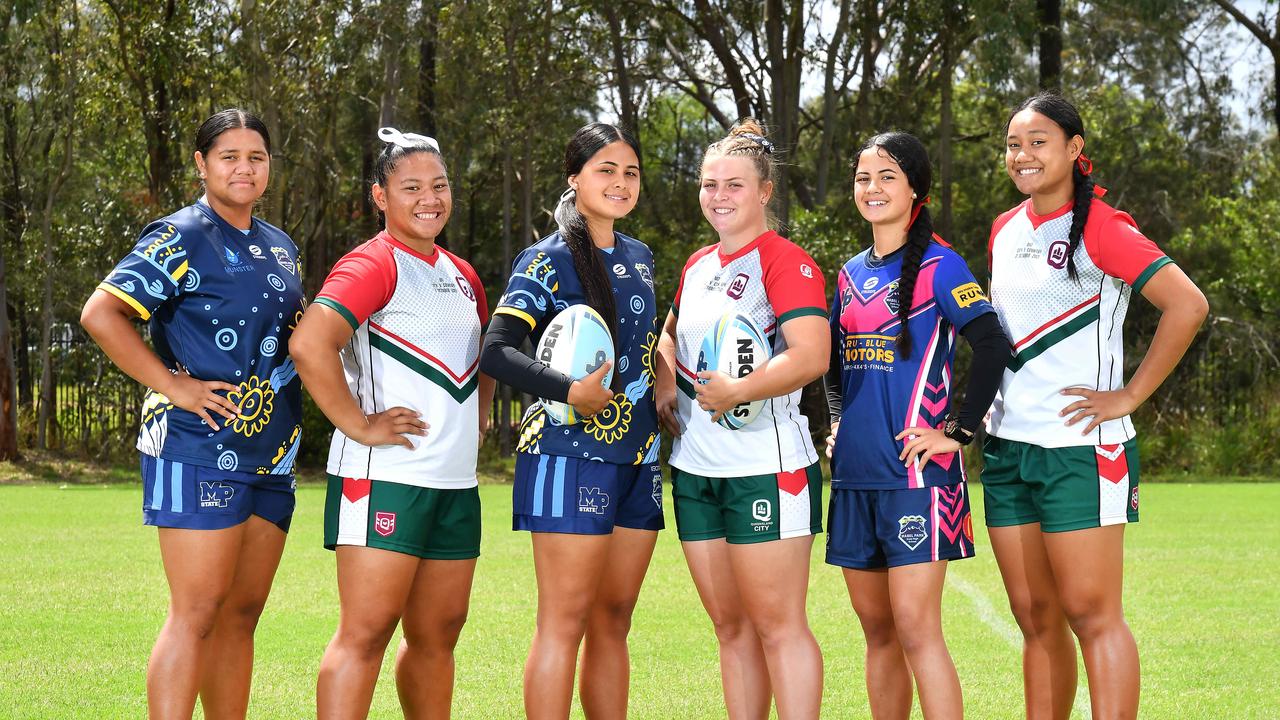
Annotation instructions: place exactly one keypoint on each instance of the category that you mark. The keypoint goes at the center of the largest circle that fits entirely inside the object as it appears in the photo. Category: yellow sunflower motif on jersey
(610, 424)
(256, 399)
(647, 354)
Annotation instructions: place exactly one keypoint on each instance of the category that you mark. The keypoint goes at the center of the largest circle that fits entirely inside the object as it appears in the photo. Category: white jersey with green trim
(770, 280)
(416, 343)
(1065, 333)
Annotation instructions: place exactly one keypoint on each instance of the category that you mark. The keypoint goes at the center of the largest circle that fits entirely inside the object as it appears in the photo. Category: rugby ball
(735, 346)
(576, 342)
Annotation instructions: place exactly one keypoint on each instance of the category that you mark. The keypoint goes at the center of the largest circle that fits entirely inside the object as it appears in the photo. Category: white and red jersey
(417, 321)
(1065, 333)
(770, 280)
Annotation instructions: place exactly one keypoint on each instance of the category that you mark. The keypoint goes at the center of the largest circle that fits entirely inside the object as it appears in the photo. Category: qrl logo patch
(912, 530)
(968, 294)
(762, 510)
(1057, 256)
(806, 271)
(465, 287)
(384, 523)
(738, 286)
(1133, 499)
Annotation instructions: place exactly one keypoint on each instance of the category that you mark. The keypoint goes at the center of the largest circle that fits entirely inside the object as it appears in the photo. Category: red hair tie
(1085, 165)
(915, 213)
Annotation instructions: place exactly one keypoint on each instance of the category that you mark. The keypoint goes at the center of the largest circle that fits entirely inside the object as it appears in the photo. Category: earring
(913, 196)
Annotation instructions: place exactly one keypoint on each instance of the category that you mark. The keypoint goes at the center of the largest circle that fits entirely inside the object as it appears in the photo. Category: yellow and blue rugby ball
(735, 346)
(576, 342)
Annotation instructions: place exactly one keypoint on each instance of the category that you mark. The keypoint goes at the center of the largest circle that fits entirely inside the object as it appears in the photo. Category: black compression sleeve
(502, 360)
(835, 392)
(991, 353)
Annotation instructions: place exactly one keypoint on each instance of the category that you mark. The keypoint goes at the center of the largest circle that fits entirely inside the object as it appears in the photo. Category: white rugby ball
(576, 342)
(735, 346)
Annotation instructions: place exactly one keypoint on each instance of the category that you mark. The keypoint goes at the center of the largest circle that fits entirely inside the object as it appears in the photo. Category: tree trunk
(504, 407)
(829, 104)
(8, 394)
(628, 113)
(1049, 13)
(45, 415)
(390, 44)
(943, 224)
(427, 67)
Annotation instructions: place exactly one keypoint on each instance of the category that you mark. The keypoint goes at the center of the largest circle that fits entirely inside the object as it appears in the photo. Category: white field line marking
(1003, 627)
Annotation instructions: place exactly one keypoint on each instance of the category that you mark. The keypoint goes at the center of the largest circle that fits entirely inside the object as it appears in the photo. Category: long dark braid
(919, 235)
(1064, 114)
(909, 153)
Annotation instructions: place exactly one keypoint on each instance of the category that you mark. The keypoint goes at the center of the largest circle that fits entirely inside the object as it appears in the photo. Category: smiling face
(1039, 156)
(417, 199)
(732, 197)
(880, 188)
(236, 168)
(608, 185)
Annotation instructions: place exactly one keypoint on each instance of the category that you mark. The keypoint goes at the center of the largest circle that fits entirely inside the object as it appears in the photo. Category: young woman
(1061, 477)
(389, 351)
(220, 422)
(748, 502)
(899, 504)
(590, 493)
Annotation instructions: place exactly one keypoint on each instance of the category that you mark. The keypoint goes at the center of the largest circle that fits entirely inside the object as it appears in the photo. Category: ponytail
(1080, 205)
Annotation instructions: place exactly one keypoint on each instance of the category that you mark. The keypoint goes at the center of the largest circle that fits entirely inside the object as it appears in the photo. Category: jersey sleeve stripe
(338, 308)
(503, 310)
(802, 312)
(1146, 275)
(127, 298)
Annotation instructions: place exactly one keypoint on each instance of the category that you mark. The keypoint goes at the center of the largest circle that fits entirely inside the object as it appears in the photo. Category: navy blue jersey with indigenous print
(221, 305)
(885, 393)
(544, 282)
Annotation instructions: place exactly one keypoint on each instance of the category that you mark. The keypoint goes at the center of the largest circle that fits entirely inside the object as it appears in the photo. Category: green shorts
(1070, 488)
(430, 523)
(751, 509)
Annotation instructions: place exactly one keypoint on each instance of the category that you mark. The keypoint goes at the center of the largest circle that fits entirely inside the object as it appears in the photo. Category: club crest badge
(912, 530)
(282, 257)
(384, 523)
(891, 298)
(738, 286)
(1057, 256)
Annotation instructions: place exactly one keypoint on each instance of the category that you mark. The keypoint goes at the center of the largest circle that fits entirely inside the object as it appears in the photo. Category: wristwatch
(951, 428)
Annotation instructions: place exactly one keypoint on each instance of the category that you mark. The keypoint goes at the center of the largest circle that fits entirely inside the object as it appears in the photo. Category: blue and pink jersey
(885, 393)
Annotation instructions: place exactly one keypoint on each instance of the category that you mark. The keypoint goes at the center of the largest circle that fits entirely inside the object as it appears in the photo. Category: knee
(440, 636)
(612, 618)
(732, 628)
(878, 628)
(197, 616)
(1037, 616)
(566, 622)
(916, 633)
(1091, 616)
(366, 639)
(243, 616)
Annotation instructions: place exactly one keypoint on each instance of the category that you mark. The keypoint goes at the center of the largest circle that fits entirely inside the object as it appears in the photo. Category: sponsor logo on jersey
(806, 271)
(738, 286)
(870, 284)
(592, 500)
(645, 274)
(384, 523)
(968, 294)
(911, 530)
(215, 494)
(282, 257)
(256, 252)
(465, 287)
(869, 349)
(620, 270)
(891, 298)
(1057, 257)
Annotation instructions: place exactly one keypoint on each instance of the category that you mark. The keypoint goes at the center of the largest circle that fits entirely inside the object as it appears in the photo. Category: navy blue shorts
(582, 497)
(868, 529)
(195, 497)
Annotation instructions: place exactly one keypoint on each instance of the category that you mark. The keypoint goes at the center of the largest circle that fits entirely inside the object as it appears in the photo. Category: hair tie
(1098, 190)
(760, 140)
(406, 140)
(1084, 164)
(915, 212)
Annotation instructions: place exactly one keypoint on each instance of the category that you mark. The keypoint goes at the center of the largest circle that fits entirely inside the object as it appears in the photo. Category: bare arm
(805, 360)
(664, 391)
(109, 321)
(314, 347)
(1183, 309)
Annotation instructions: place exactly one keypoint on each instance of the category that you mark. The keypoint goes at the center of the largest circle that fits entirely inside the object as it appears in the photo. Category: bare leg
(1089, 567)
(888, 677)
(1048, 650)
(744, 672)
(916, 594)
(433, 620)
(605, 668)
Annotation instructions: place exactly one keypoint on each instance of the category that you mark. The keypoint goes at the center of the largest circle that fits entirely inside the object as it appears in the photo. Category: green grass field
(82, 596)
